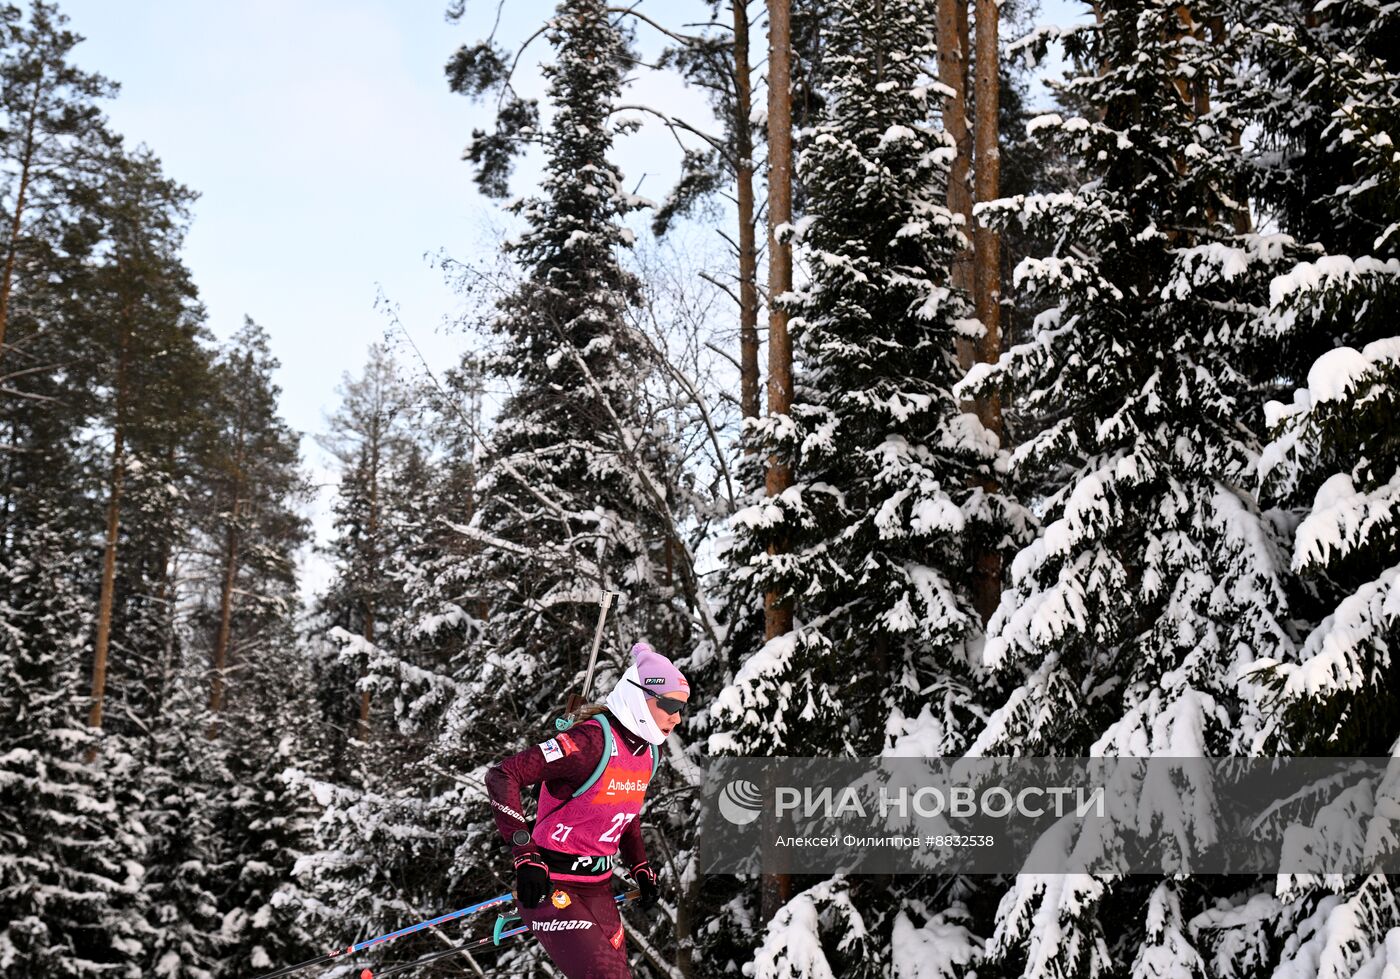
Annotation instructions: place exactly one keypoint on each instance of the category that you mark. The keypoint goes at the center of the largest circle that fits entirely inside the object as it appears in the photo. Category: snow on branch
(1326, 279)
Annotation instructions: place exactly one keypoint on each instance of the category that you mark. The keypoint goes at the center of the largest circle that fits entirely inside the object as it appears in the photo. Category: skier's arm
(631, 847)
(570, 757)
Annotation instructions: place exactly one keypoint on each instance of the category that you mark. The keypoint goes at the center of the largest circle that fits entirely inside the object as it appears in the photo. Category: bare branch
(633, 12)
(714, 141)
(723, 353)
(720, 285)
(515, 62)
(15, 392)
(658, 498)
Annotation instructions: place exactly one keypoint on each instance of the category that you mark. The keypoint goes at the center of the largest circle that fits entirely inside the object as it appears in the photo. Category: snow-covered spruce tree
(573, 493)
(1333, 461)
(884, 514)
(1328, 173)
(425, 651)
(174, 799)
(1333, 182)
(70, 859)
(373, 858)
(370, 438)
(371, 855)
(265, 829)
(268, 729)
(392, 816)
(1155, 580)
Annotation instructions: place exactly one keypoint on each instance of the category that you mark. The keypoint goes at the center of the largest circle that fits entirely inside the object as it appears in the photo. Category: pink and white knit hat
(657, 673)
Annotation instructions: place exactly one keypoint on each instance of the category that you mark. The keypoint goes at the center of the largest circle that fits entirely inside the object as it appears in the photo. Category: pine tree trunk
(364, 694)
(221, 642)
(109, 557)
(748, 245)
(987, 276)
(12, 252)
(7, 489)
(777, 888)
(952, 71)
(987, 271)
(778, 613)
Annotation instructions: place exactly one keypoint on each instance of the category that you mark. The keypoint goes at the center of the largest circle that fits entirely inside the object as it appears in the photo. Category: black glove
(645, 877)
(531, 880)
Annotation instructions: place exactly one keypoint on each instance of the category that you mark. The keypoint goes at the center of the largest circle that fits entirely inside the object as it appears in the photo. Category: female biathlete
(595, 778)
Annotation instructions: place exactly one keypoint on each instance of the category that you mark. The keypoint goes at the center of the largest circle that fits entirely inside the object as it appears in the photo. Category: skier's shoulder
(584, 739)
(602, 728)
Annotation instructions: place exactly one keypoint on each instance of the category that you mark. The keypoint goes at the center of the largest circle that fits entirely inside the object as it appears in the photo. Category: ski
(485, 942)
(381, 939)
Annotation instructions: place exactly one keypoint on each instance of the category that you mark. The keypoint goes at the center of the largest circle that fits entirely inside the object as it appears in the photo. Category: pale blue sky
(326, 149)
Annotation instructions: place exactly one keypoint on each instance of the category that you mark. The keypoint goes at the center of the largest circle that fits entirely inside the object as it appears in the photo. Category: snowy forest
(1003, 411)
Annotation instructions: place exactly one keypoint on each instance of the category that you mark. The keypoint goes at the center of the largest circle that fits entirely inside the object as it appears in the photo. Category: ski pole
(467, 946)
(370, 943)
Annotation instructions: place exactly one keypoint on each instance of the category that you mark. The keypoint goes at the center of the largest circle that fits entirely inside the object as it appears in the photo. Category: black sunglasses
(669, 704)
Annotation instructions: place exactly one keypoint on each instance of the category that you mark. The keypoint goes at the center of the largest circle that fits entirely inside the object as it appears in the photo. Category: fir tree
(1333, 462)
(1335, 455)
(174, 791)
(1155, 580)
(1330, 179)
(70, 859)
(265, 830)
(574, 491)
(370, 439)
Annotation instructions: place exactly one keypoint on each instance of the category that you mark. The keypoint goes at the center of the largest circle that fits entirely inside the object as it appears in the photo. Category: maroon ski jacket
(562, 772)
